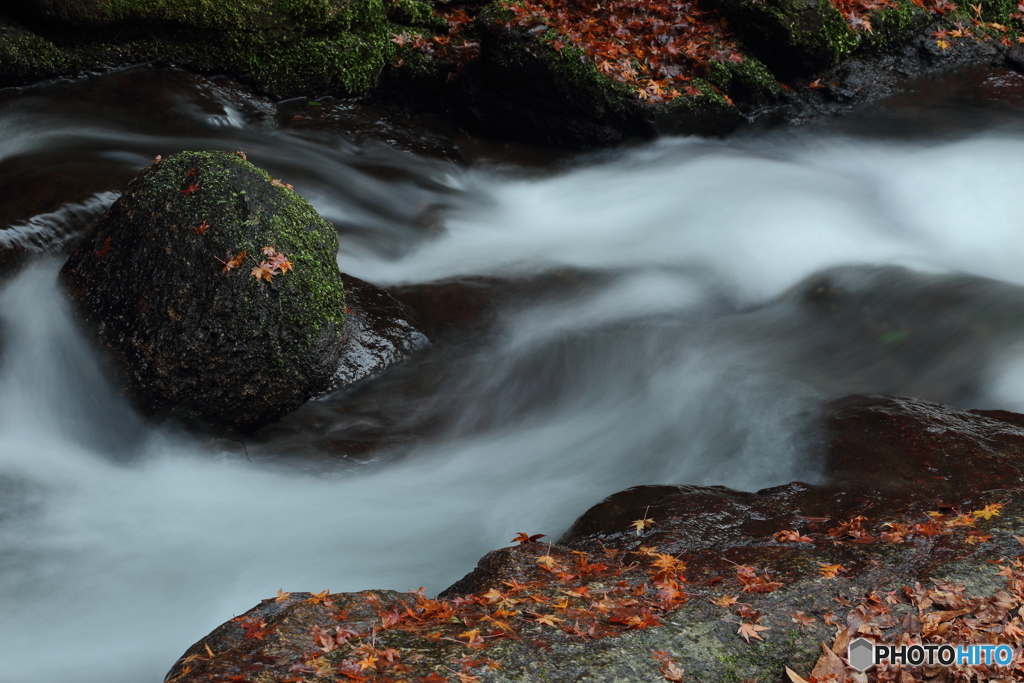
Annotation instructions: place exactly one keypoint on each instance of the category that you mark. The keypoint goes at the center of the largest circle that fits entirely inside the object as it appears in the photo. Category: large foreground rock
(916, 537)
(168, 279)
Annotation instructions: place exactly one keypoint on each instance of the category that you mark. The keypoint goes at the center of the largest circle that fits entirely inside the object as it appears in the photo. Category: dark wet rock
(886, 455)
(789, 60)
(792, 37)
(523, 87)
(190, 335)
(285, 48)
(891, 330)
(378, 332)
(895, 516)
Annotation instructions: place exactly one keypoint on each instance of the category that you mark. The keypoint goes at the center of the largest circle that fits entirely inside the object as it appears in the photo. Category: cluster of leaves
(587, 596)
(457, 47)
(976, 28)
(575, 594)
(857, 12)
(944, 615)
(274, 264)
(655, 47)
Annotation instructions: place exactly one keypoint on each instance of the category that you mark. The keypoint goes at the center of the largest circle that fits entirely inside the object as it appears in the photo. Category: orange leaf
(748, 631)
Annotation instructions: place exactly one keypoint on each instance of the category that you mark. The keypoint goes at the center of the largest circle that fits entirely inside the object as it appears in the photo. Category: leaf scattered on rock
(104, 249)
(234, 261)
(274, 264)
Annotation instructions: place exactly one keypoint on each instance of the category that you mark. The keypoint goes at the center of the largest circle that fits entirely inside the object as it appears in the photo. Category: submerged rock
(658, 583)
(216, 289)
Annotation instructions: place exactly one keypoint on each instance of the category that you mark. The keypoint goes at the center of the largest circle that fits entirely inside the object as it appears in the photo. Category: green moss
(347, 63)
(253, 15)
(285, 47)
(768, 659)
(829, 38)
(575, 68)
(25, 57)
(311, 295)
(893, 25)
(998, 10)
(415, 13)
(793, 35)
(748, 81)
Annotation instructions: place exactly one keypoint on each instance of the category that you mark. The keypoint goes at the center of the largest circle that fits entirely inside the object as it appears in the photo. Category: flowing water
(702, 299)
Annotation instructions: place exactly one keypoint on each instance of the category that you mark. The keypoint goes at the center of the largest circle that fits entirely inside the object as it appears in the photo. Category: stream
(671, 312)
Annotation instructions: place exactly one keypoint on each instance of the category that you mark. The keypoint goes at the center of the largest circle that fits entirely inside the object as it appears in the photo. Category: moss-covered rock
(524, 88)
(285, 47)
(256, 15)
(793, 37)
(190, 334)
(26, 57)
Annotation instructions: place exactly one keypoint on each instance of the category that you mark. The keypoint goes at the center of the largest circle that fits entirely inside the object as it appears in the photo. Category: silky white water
(122, 543)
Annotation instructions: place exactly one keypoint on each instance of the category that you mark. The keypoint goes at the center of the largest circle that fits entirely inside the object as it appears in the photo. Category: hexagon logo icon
(861, 654)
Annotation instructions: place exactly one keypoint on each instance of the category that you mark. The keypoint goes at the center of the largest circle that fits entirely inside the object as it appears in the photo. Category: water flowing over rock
(216, 289)
(922, 502)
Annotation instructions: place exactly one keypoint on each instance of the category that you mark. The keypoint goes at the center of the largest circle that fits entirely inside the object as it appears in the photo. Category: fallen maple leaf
(670, 671)
(549, 619)
(724, 601)
(546, 561)
(829, 571)
(233, 262)
(277, 183)
(105, 249)
(282, 596)
(521, 537)
(323, 596)
(748, 631)
(263, 272)
(194, 187)
(202, 228)
(641, 524)
(801, 619)
(788, 535)
(989, 511)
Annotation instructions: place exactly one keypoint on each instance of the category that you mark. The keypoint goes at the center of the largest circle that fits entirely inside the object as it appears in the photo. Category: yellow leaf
(989, 511)
(641, 524)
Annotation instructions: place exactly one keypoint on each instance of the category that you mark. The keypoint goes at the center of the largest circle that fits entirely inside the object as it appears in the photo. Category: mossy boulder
(793, 37)
(523, 88)
(191, 335)
(285, 47)
(257, 15)
(532, 84)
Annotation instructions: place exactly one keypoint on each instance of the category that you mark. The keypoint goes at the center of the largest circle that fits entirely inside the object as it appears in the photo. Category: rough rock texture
(513, 75)
(285, 47)
(903, 542)
(191, 334)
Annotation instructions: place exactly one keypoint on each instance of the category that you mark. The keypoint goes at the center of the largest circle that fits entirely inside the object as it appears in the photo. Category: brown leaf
(828, 664)
(794, 677)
